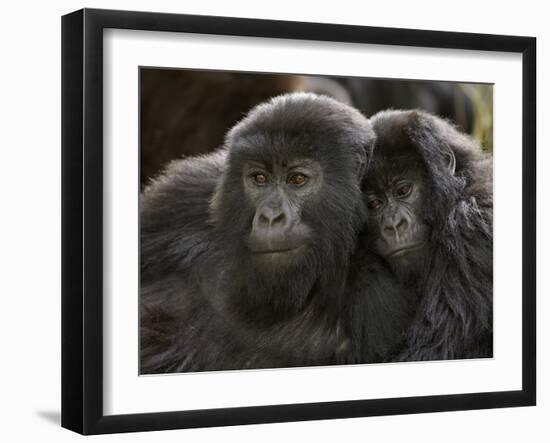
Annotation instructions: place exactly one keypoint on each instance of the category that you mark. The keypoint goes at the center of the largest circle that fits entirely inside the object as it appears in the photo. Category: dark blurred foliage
(482, 98)
(469, 106)
(188, 112)
(442, 98)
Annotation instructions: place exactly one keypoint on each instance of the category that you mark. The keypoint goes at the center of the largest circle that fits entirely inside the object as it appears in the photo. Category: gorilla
(246, 253)
(430, 217)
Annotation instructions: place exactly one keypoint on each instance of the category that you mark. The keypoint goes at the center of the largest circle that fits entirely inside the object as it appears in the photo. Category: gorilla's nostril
(278, 219)
(263, 219)
(401, 225)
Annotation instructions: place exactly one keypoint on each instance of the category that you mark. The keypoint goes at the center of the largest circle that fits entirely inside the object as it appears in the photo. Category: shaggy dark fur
(455, 285)
(378, 311)
(175, 224)
(204, 304)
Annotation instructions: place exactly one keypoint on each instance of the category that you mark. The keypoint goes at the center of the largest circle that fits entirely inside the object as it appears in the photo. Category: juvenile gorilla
(263, 283)
(429, 198)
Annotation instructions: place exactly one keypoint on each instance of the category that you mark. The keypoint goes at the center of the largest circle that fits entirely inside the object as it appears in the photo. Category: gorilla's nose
(396, 225)
(271, 218)
(275, 228)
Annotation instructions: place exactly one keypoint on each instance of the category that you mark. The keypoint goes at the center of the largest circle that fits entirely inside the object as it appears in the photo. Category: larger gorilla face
(279, 191)
(289, 204)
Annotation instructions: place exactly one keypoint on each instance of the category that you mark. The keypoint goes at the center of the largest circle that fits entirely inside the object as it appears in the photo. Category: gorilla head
(288, 206)
(398, 207)
(416, 185)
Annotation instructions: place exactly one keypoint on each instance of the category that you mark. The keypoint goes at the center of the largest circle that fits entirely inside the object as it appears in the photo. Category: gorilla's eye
(297, 179)
(375, 203)
(403, 190)
(259, 179)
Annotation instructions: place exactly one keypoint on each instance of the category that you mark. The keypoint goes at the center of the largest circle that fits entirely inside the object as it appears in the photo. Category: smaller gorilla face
(396, 201)
(411, 179)
(279, 191)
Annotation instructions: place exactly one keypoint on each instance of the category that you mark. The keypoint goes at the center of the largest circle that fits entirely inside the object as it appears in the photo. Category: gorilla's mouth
(277, 251)
(278, 255)
(404, 250)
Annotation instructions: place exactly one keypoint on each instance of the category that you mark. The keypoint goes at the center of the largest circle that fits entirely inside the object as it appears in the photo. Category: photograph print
(292, 221)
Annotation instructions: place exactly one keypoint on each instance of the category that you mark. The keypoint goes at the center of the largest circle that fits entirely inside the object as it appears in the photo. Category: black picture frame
(82, 219)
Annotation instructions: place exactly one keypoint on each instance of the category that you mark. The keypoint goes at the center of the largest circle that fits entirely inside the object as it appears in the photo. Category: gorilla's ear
(451, 161)
(435, 135)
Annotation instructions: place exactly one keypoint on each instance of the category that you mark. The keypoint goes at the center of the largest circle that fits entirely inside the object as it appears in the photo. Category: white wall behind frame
(30, 234)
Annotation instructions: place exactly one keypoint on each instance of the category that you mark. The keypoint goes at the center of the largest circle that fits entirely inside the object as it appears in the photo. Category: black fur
(175, 220)
(203, 305)
(379, 309)
(455, 287)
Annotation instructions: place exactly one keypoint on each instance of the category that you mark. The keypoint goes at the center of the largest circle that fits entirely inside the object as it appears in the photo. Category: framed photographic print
(269, 221)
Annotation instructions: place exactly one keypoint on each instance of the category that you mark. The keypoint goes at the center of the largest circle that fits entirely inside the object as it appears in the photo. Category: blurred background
(188, 112)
